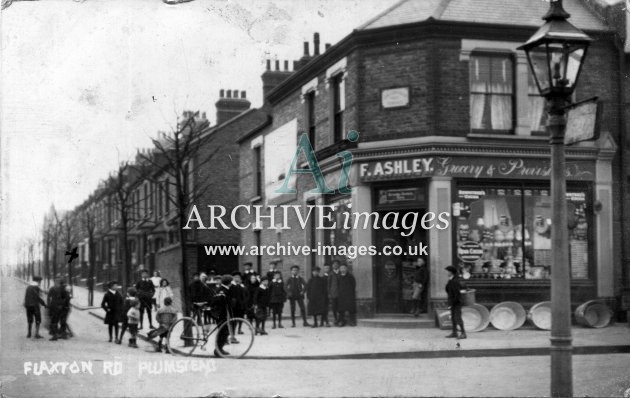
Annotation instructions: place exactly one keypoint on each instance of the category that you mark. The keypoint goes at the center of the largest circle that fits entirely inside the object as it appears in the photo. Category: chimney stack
(316, 44)
(221, 93)
(231, 105)
(306, 51)
(271, 78)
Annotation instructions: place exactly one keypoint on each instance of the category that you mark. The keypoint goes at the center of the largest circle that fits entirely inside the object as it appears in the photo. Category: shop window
(492, 93)
(537, 111)
(339, 236)
(504, 233)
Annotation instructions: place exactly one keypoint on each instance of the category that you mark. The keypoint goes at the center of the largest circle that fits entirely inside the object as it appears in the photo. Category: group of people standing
(57, 303)
(127, 314)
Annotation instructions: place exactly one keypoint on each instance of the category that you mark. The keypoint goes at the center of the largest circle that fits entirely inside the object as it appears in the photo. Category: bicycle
(186, 334)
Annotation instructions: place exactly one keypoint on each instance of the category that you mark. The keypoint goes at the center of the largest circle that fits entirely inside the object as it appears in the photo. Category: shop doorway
(396, 264)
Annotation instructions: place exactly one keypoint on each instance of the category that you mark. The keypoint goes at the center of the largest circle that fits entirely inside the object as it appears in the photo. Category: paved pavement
(595, 375)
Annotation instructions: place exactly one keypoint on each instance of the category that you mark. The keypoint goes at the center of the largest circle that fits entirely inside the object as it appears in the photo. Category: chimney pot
(221, 93)
(243, 94)
(228, 94)
(235, 94)
(286, 65)
(316, 44)
(306, 52)
(268, 64)
(327, 46)
(277, 64)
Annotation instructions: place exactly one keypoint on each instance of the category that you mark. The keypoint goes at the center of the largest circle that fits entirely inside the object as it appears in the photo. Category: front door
(395, 265)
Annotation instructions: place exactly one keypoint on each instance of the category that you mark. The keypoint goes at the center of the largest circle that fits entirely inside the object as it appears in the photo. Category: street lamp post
(556, 53)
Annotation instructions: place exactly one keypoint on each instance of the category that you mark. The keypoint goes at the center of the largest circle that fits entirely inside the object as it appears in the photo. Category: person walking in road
(113, 305)
(146, 291)
(238, 298)
(347, 297)
(453, 291)
(333, 290)
(57, 300)
(277, 299)
(317, 296)
(32, 301)
(296, 287)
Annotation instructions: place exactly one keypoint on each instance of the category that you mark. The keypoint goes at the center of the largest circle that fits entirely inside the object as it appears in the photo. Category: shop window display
(505, 233)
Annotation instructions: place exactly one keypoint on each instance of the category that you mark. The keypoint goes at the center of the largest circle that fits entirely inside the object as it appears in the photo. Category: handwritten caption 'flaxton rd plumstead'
(116, 367)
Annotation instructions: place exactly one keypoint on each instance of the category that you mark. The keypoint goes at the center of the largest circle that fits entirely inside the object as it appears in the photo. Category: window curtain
(478, 88)
(536, 111)
(501, 101)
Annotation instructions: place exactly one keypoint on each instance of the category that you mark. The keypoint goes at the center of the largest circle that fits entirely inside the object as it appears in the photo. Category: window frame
(513, 94)
(337, 106)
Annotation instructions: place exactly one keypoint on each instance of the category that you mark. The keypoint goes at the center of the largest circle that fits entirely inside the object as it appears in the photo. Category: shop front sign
(470, 167)
(469, 252)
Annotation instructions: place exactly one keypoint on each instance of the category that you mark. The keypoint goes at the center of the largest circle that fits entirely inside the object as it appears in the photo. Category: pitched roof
(510, 12)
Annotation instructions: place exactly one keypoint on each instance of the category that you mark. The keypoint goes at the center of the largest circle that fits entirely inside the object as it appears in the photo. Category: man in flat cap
(32, 301)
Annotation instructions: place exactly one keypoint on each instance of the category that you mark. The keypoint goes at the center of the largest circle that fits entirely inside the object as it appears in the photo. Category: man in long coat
(347, 296)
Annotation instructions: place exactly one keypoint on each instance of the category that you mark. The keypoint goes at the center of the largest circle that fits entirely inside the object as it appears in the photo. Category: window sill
(507, 137)
(255, 199)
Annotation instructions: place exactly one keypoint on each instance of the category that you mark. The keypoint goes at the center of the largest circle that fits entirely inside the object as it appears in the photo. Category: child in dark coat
(252, 287)
(316, 291)
(262, 296)
(277, 299)
(113, 305)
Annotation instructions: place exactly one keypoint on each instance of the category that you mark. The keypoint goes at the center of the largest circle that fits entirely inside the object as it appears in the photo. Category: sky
(85, 83)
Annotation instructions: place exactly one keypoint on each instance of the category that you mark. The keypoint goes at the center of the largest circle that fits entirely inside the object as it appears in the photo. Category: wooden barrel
(540, 315)
(593, 314)
(508, 315)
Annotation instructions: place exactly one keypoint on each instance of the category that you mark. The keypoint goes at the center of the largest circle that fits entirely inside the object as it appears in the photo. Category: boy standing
(128, 303)
(133, 317)
(317, 294)
(296, 286)
(277, 298)
(261, 305)
(146, 291)
(32, 301)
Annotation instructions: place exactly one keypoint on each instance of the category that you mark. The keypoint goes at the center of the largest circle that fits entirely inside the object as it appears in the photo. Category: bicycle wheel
(183, 336)
(239, 334)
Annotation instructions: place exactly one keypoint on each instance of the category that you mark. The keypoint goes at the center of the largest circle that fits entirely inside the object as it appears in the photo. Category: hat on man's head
(226, 279)
(37, 279)
(112, 284)
(451, 269)
(264, 278)
(236, 273)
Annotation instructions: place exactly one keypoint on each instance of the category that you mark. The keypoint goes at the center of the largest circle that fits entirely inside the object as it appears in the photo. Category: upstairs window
(339, 105)
(258, 171)
(309, 99)
(492, 93)
(537, 114)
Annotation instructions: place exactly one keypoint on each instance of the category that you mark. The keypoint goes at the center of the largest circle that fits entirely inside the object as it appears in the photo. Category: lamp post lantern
(556, 53)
